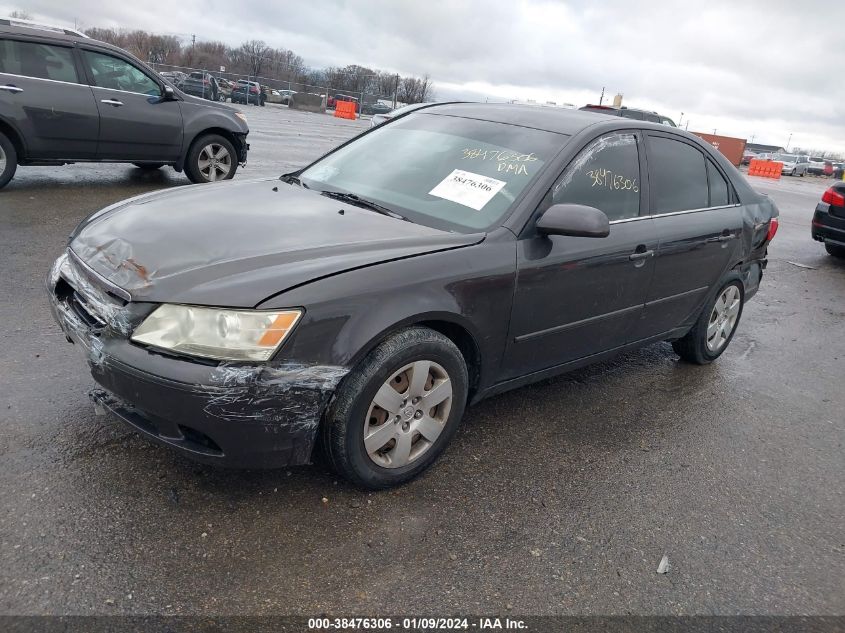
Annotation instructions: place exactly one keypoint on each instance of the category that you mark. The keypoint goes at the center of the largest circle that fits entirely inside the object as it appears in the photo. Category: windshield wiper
(363, 202)
(292, 179)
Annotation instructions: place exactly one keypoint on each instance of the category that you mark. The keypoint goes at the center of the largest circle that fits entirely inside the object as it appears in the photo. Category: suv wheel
(715, 328)
(396, 412)
(8, 160)
(832, 249)
(211, 158)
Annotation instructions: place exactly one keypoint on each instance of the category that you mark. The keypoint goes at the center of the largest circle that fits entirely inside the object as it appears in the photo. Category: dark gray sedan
(361, 303)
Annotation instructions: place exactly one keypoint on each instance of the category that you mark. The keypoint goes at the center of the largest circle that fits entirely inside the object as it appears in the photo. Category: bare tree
(255, 53)
(415, 90)
(256, 58)
(20, 15)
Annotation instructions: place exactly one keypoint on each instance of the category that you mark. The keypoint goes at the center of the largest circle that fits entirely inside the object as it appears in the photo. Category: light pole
(681, 120)
(788, 141)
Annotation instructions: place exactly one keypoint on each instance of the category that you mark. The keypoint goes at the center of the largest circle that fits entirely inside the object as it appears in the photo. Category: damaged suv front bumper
(231, 414)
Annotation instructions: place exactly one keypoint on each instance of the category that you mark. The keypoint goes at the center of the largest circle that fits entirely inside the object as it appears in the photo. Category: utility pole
(789, 141)
(193, 40)
(714, 131)
(681, 120)
(601, 98)
(396, 91)
(687, 127)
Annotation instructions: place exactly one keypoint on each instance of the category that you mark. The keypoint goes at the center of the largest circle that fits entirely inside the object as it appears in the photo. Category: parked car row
(105, 105)
(799, 164)
(207, 86)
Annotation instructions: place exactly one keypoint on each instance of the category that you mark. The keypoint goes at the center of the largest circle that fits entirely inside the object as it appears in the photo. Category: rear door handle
(635, 256)
(10, 88)
(112, 102)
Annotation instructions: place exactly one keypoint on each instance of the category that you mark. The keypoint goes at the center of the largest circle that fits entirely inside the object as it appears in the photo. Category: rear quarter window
(719, 192)
(40, 61)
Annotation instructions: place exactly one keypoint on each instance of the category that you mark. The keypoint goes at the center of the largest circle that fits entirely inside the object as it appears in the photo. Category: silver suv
(66, 98)
(793, 164)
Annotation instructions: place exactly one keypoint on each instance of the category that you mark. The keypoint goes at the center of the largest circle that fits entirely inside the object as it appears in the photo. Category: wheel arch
(450, 325)
(14, 137)
(232, 137)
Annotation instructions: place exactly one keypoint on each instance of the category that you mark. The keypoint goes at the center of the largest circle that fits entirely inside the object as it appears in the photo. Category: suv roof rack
(29, 24)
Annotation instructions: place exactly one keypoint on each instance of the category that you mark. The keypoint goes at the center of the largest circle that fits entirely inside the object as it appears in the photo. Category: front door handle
(10, 88)
(727, 238)
(112, 102)
(640, 255)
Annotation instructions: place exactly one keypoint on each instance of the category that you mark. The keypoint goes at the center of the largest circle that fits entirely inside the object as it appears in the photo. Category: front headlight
(216, 332)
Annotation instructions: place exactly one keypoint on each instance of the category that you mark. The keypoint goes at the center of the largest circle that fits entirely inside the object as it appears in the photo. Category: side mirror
(169, 94)
(575, 220)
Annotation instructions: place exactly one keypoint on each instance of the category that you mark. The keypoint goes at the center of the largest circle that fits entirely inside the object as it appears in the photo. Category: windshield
(785, 158)
(443, 171)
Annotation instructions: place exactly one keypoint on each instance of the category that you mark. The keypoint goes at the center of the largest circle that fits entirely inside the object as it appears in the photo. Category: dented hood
(238, 243)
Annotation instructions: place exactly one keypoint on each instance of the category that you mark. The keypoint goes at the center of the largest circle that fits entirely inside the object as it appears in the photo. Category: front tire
(8, 160)
(712, 333)
(835, 251)
(395, 413)
(211, 158)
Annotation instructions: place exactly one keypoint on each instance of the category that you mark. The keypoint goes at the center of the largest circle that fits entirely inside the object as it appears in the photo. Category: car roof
(49, 32)
(559, 120)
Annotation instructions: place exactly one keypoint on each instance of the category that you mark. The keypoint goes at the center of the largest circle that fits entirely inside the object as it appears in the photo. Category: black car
(445, 256)
(375, 108)
(202, 85)
(829, 220)
(248, 92)
(66, 98)
(630, 113)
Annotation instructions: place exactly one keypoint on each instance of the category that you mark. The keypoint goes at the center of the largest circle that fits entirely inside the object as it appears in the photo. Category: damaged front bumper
(238, 415)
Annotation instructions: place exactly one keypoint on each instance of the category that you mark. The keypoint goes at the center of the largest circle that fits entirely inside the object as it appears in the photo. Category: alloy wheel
(214, 162)
(723, 318)
(408, 414)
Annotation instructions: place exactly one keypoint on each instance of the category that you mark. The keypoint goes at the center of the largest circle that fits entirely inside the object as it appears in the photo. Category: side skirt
(551, 372)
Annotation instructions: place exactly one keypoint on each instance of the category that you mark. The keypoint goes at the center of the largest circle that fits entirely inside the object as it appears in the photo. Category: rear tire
(211, 158)
(832, 249)
(8, 160)
(417, 415)
(715, 328)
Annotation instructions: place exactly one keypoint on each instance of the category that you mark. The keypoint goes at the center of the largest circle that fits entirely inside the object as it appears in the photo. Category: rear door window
(40, 61)
(605, 175)
(719, 192)
(677, 176)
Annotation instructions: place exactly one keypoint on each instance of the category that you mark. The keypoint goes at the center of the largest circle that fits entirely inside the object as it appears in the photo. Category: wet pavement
(561, 497)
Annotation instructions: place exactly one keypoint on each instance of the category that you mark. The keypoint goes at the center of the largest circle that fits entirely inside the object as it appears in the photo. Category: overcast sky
(751, 68)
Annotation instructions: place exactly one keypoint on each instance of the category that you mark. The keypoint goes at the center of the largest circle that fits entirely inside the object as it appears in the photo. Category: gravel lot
(561, 497)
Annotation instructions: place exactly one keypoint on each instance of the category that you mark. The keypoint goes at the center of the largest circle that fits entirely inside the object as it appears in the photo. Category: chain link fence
(365, 98)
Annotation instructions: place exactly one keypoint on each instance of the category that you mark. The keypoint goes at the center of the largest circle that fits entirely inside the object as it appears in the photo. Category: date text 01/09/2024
(410, 624)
